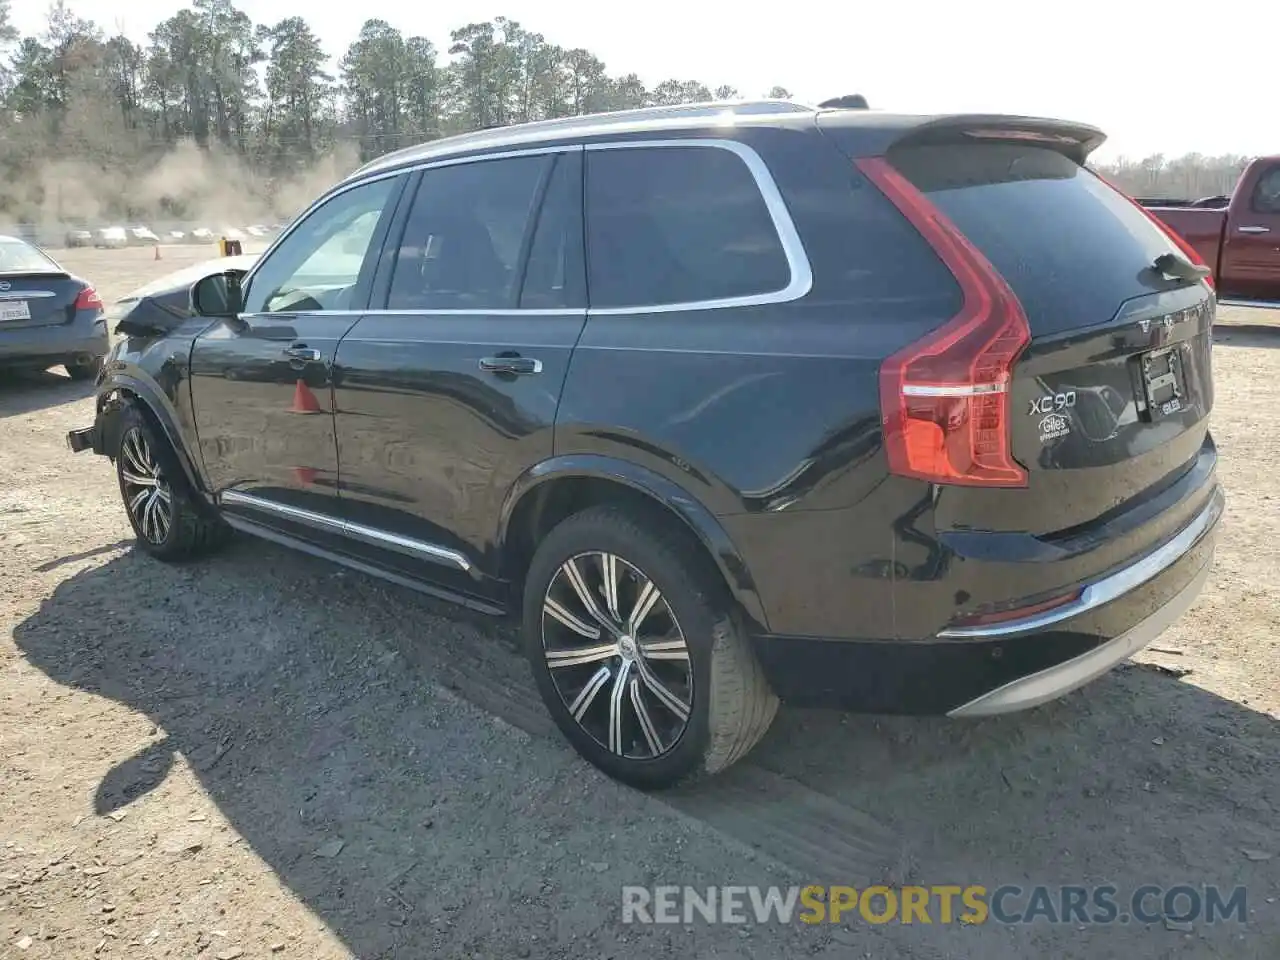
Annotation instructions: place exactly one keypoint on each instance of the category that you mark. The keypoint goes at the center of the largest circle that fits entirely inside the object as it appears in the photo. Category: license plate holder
(1164, 383)
(14, 310)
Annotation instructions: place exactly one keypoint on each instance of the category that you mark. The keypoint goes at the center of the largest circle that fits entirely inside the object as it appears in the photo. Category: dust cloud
(187, 184)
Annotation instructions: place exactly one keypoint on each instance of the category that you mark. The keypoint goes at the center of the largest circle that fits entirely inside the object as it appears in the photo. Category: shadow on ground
(300, 696)
(25, 391)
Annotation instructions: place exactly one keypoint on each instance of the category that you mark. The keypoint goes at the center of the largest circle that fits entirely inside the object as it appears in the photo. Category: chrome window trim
(792, 246)
(342, 188)
(355, 531)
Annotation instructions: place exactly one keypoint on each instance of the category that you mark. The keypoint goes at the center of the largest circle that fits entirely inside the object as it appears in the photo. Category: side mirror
(217, 296)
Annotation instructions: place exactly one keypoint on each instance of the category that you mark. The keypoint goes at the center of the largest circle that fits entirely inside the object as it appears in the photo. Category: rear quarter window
(674, 224)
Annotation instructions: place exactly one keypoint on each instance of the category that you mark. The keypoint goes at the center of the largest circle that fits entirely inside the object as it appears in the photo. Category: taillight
(945, 399)
(88, 299)
(1178, 239)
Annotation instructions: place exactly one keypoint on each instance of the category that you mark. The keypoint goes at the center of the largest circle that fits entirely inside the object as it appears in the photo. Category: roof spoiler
(1074, 140)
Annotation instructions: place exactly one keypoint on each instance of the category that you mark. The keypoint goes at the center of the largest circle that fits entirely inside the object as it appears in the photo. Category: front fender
(120, 385)
(672, 496)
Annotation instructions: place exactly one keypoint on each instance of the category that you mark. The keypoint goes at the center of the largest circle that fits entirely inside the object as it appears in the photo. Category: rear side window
(464, 236)
(673, 225)
(1071, 247)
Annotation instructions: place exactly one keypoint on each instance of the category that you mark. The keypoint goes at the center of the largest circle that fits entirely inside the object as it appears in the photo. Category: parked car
(47, 316)
(79, 238)
(725, 404)
(142, 237)
(201, 235)
(1238, 236)
(111, 238)
(175, 236)
(257, 231)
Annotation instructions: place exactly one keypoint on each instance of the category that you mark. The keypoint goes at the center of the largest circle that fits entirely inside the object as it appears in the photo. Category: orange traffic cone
(157, 249)
(304, 401)
(305, 475)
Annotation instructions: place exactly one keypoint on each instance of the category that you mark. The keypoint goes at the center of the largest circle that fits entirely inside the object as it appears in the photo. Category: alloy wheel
(617, 655)
(146, 491)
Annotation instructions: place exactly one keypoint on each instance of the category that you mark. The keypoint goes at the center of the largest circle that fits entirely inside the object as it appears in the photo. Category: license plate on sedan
(1163, 381)
(14, 310)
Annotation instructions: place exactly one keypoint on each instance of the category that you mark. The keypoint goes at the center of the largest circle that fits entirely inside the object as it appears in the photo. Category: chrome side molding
(356, 531)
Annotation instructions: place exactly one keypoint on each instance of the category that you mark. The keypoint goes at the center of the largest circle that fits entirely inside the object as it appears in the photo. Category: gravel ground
(261, 755)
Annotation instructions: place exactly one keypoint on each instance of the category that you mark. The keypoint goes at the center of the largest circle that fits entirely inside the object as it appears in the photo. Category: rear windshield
(18, 256)
(1072, 248)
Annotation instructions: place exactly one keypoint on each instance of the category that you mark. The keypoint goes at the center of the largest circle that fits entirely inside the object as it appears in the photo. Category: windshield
(18, 256)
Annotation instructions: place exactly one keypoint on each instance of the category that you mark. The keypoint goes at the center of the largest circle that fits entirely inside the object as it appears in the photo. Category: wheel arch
(126, 389)
(561, 486)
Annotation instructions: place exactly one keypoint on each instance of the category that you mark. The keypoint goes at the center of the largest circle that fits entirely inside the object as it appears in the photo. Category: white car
(110, 238)
(142, 237)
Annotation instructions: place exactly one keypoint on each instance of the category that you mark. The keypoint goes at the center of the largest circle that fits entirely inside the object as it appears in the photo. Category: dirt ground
(261, 755)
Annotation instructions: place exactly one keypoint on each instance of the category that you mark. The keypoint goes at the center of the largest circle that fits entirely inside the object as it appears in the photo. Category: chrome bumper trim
(1038, 688)
(1110, 587)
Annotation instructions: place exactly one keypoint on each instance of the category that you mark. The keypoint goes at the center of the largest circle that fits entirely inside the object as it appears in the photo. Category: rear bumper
(84, 338)
(1011, 665)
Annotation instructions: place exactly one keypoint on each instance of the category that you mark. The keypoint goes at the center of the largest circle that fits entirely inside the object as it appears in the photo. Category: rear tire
(165, 517)
(653, 701)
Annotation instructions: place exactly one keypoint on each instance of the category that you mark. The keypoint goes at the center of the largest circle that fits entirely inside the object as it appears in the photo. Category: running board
(266, 533)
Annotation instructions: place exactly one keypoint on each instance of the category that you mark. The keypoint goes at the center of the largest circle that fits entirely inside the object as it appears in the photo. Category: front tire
(165, 518)
(638, 654)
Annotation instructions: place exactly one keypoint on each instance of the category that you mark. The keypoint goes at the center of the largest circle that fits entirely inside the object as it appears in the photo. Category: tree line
(267, 96)
(213, 104)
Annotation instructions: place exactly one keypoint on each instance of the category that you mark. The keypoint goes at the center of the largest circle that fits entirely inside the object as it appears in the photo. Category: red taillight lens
(1178, 239)
(945, 399)
(88, 300)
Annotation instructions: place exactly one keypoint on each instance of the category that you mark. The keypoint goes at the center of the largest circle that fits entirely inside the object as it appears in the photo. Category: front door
(448, 394)
(1251, 249)
(261, 383)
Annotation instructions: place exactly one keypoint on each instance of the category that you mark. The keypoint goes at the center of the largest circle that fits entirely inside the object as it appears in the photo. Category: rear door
(447, 392)
(34, 290)
(1111, 399)
(1251, 247)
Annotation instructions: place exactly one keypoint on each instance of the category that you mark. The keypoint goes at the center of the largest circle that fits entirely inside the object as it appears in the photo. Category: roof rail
(588, 122)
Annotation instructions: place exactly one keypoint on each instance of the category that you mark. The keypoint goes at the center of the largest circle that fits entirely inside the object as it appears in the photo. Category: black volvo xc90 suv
(728, 403)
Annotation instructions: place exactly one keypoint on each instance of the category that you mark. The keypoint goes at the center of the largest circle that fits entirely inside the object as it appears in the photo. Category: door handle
(1254, 229)
(302, 353)
(520, 365)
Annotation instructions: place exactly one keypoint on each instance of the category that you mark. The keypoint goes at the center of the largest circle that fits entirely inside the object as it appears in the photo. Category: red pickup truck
(1237, 236)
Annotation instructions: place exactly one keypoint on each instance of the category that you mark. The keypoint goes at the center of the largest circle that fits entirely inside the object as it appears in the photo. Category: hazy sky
(1087, 60)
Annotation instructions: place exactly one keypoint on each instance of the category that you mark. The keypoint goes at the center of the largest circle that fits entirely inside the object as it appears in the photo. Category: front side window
(1266, 195)
(465, 234)
(675, 224)
(317, 266)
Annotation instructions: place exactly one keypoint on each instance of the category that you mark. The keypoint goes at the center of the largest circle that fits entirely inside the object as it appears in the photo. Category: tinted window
(1072, 248)
(1266, 195)
(677, 225)
(553, 276)
(464, 236)
(317, 266)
